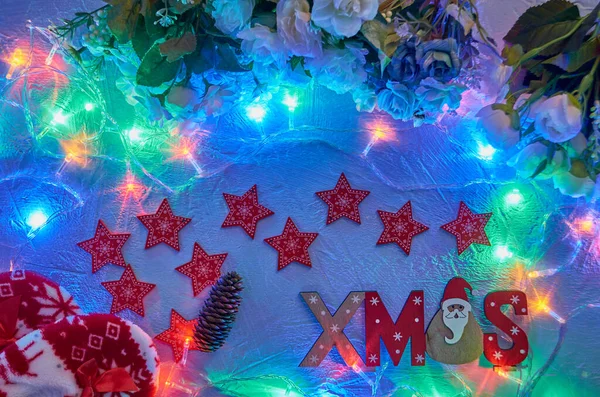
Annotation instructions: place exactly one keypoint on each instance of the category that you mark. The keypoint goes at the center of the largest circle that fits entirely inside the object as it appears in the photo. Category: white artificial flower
(576, 182)
(527, 161)
(498, 128)
(232, 16)
(557, 118)
(293, 25)
(343, 17)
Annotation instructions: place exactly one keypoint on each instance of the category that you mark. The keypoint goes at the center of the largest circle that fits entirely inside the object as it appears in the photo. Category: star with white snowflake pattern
(343, 201)
(313, 359)
(334, 328)
(497, 356)
(203, 269)
(420, 358)
(163, 226)
(105, 247)
(313, 299)
(417, 301)
(397, 336)
(514, 330)
(128, 292)
(373, 358)
(374, 301)
(179, 330)
(468, 228)
(514, 299)
(245, 211)
(400, 227)
(292, 245)
(355, 299)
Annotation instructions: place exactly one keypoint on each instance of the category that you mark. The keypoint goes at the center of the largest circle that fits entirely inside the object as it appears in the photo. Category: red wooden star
(468, 228)
(105, 247)
(203, 269)
(128, 292)
(292, 245)
(177, 334)
(163, 226)
(400, 227)
(245, 211)
(343, 201)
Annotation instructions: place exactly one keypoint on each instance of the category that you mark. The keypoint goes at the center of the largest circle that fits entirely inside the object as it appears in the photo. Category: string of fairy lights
(77, 149)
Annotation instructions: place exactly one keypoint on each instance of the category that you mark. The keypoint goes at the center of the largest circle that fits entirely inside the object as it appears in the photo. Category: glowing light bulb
(541, 273)
(486, 152)
(36, 219)
(291, 101)
(542, 306)
(17, 59)
(514, 197)
(505, 374)
(503, 253)
(59, 117)
(89, 106)
(256, 112)
(584, 225)
(134, 134)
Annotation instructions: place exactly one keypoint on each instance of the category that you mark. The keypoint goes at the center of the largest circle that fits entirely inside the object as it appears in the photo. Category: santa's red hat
(455, 293)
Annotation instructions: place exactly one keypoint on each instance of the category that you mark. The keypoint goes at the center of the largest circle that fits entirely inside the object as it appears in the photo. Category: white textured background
(433, 167)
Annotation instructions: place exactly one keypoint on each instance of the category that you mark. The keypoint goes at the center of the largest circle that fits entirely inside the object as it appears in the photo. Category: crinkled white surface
(432, 166)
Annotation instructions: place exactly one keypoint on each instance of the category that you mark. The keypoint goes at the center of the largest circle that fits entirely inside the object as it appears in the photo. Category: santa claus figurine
(453, 335)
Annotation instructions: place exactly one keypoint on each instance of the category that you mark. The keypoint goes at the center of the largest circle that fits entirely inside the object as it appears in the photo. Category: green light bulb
(59, 117)
(514, 197)
(503, 253)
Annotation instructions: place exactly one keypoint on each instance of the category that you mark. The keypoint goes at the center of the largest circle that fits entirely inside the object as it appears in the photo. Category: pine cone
(216, 318)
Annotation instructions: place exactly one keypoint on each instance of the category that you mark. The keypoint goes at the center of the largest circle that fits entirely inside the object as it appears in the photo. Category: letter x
(333, 329)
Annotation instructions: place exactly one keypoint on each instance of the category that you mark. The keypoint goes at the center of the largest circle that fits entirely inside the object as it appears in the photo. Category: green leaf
(545, 14)
(176, 48)
(573, 61)
(381, 36)
(122, 18)
(155, 69)
(212, 54)
(540, 168)
(148, 10)
(512, 54)
(579, 36)
(548, 33)
(296, 61)
(141, 41)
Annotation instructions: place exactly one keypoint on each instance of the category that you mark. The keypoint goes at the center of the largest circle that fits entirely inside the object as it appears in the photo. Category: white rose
(293, 25)
(231, 16)
(558, 118)
(265, 47)
(343, 17)
(340, 69)
(498, 128)
(576, 182)
(527, 161)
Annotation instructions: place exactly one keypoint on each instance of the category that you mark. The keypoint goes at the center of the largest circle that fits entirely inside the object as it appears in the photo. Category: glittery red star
(245, 211)
(177, 334)
(400, 227)
(105, 247)
(163, 226)
(203, 269)
(292, 245)
(468, 228)
(128, 292)
(343, 201)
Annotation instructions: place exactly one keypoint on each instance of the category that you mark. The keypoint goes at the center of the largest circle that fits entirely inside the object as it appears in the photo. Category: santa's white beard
(456, 322)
